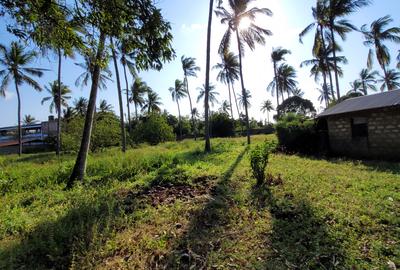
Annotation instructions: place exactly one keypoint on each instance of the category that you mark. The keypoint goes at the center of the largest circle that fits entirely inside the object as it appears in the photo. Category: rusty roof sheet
(376, 101)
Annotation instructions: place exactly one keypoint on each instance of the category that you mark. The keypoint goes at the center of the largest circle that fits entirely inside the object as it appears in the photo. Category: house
(364, 127)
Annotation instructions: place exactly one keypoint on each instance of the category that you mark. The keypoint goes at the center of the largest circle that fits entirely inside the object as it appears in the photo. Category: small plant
(259, 160)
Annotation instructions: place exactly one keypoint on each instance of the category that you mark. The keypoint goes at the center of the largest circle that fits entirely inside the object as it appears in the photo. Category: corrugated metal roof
(376, 101)
(22, 126)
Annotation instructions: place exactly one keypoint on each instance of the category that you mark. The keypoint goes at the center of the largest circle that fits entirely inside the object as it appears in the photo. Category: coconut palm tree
(297, 92)
(152, 103)
(80, 106)
(336, 11)
(324, 94)
(367, 79)
(391, 80)
(15, 61)
(212, 94)
(287, 79)
(250, 35)
(29, 120)
(189, 68)
(356, 87)
(178, 92)
(104, 107)
(375, 35)
(244, 100)
(277, 56)
(266, 106)
(68, 113)
(225, 107)
(53, 90)
(228, 73)
(138, 89)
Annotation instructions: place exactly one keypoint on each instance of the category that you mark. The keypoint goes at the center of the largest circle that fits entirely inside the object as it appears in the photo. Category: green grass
(326, 214)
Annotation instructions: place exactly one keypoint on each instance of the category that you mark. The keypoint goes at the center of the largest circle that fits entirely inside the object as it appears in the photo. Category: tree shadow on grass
(206, 227)
(299, 237)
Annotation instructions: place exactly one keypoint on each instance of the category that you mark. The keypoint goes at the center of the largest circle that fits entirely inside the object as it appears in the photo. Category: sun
(244, 23)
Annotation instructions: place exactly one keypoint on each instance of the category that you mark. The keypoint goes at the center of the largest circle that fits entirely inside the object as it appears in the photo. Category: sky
(188, 20)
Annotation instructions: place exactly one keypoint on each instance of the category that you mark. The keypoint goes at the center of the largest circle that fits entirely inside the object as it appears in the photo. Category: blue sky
(188, 20)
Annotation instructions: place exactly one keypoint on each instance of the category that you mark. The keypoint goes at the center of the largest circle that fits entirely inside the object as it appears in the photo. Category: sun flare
(244, 23)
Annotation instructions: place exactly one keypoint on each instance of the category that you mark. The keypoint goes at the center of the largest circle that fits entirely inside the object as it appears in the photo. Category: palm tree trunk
(207, 83)
(127, 99)
(191, 108)
(58, 147)
(237, 105)
(277, 87)
(364, 88)
(335, 62)
(326, 60)
(78, 172)
(230, 99)
(136, 114)
(386, 78)
(179, 121)
(121, 109)
(243, 89)
(19, 120)
(325, 90)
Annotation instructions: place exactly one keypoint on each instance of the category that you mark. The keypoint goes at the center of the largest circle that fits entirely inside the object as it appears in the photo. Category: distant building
(33, 136)
(364, 127)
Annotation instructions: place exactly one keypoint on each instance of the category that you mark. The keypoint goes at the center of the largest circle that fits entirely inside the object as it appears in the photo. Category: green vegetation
(172, 205)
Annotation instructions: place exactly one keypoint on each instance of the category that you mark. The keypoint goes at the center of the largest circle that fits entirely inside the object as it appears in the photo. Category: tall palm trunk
(136, 114)
(179, 121)
(325, 89)
(207, 83)
(325, 56)
(191, 107)
(364, 88)
(243, 89)
(230, 99)
(78, 172)
(234, 96)
(121, 109)
(335, 61)
(276, 86)
(127, 98)
(19, 120)
(58, 149)
(386, 77)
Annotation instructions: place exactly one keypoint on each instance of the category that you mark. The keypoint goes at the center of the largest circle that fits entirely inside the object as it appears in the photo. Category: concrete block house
(364, 127)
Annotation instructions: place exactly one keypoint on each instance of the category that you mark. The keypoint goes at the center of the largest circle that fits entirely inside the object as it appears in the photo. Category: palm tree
(228, 73)
(68, 113)
(15, 60)
(277, 56)
(53, 90)
(138, 89)
(375, 36)
(177, 93)
(251, 35)
(225, 107)
(391, 80)
(287, 79)
(336, 11)
(398, 60)
(325, 94)
(29, 120)
(368, 80)
(212, 94)
(356, 87)
(104, 107)
(80, 106)
(266, 106)
(152, 103)
(297, 92)
(189, 68)
(244, 100)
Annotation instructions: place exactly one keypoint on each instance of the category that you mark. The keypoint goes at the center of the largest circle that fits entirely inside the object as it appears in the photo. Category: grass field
(173, 207)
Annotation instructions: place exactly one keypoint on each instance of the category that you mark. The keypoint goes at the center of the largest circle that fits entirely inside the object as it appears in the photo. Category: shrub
(222, 125)
(153, 130)
(259, 160)
(297, 133)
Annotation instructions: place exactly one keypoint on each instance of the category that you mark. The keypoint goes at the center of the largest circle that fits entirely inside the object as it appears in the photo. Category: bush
(222, 125)
(297, 133)
(259, 160)
(153, 130)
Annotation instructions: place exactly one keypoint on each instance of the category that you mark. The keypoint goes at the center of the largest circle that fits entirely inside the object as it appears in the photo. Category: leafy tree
(367, 79)
(53, 90)
(277, 56)
(229, 73)
(391, 80)
(147, 34)
(29, 120)
(152, 103)
(153, 130)
(375, 36)
(222, 125)
(15, 61)
(267, 106)
(297, 105)
(189, 68)
(336, 11)
(250, 36)
(178, 92)
(80, 106)
(138, 89)
(105, 107)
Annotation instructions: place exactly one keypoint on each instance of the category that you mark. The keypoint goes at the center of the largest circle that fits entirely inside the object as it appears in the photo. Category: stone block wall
(383, 139)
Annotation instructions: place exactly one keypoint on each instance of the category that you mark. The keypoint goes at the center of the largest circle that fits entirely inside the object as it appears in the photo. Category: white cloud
(9, 95)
